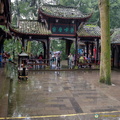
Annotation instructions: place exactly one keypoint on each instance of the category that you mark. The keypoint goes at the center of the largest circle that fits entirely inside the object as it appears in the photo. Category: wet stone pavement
(64, 95)
(4, 90)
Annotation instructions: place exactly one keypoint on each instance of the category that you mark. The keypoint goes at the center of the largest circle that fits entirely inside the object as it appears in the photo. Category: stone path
(4, 91)
(64, 93)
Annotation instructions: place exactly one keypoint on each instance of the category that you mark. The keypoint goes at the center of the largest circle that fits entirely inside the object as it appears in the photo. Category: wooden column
(97, 56)
(92, 46)
(48, 50)
(68, 46)
(44, 47)
(76, 49)
(113, 55)
(23, 44)
(95, 50)
(87, 48)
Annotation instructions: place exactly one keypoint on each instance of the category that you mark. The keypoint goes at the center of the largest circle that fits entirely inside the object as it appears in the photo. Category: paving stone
(72, 92)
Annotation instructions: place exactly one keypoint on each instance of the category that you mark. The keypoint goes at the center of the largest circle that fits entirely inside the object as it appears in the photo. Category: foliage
(59, 45)
(4, 28)
(114, 13)
(36, 48)
(88, 6)
(27, 9)
(12, 46)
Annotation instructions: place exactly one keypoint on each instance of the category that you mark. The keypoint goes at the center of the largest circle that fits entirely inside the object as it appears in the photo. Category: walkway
(65, 95)
(4, 90)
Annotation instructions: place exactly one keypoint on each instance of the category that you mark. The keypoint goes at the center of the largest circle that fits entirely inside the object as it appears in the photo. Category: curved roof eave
(90, 36)
(77, 18)
(20, 34)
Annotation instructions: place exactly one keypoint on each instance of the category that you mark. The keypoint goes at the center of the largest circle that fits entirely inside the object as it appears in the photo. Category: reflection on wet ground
(67, 93)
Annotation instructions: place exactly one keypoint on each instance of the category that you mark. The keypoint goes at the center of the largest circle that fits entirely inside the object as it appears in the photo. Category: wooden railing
(37, 63)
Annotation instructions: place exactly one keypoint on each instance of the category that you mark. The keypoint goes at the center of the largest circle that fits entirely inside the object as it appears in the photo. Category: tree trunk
(105, 63)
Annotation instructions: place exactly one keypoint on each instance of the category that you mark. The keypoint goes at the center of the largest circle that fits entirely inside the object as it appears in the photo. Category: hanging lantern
(1, 8)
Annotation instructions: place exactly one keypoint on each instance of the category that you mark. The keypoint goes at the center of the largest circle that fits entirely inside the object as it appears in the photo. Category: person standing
(40, 59)
(51, 59)
(70, 57)
(58, 60)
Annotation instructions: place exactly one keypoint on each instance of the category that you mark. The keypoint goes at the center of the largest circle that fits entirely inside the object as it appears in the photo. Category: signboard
(62, 29)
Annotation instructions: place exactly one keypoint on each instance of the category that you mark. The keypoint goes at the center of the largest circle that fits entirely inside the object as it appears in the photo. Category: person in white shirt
(70, 57)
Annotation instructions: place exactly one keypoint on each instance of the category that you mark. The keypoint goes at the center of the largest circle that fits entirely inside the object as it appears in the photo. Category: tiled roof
(89, 30)
(63, 11)
(32, 27)
(115, 37)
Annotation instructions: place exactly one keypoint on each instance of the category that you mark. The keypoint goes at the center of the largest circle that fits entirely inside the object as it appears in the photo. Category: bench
(37, 64)
(84, 64)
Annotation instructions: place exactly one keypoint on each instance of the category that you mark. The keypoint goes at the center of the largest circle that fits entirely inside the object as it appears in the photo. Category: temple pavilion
(57, 21)
(65, 23)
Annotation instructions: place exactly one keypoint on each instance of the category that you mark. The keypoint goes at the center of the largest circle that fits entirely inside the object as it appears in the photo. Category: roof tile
(89, 30)
(63, 11)
(33, 27)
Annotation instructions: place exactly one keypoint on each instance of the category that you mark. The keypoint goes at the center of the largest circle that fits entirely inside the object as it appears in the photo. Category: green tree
(36, 48)
(105, 62)
(27, 9)
(12, 46)
(114, 13)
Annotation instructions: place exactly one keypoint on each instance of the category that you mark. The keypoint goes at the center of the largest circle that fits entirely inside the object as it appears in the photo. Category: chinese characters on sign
(63, 29)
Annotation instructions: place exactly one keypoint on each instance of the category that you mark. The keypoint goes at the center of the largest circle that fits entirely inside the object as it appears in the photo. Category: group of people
(79, 59)
(55, 60)
(85, 59)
